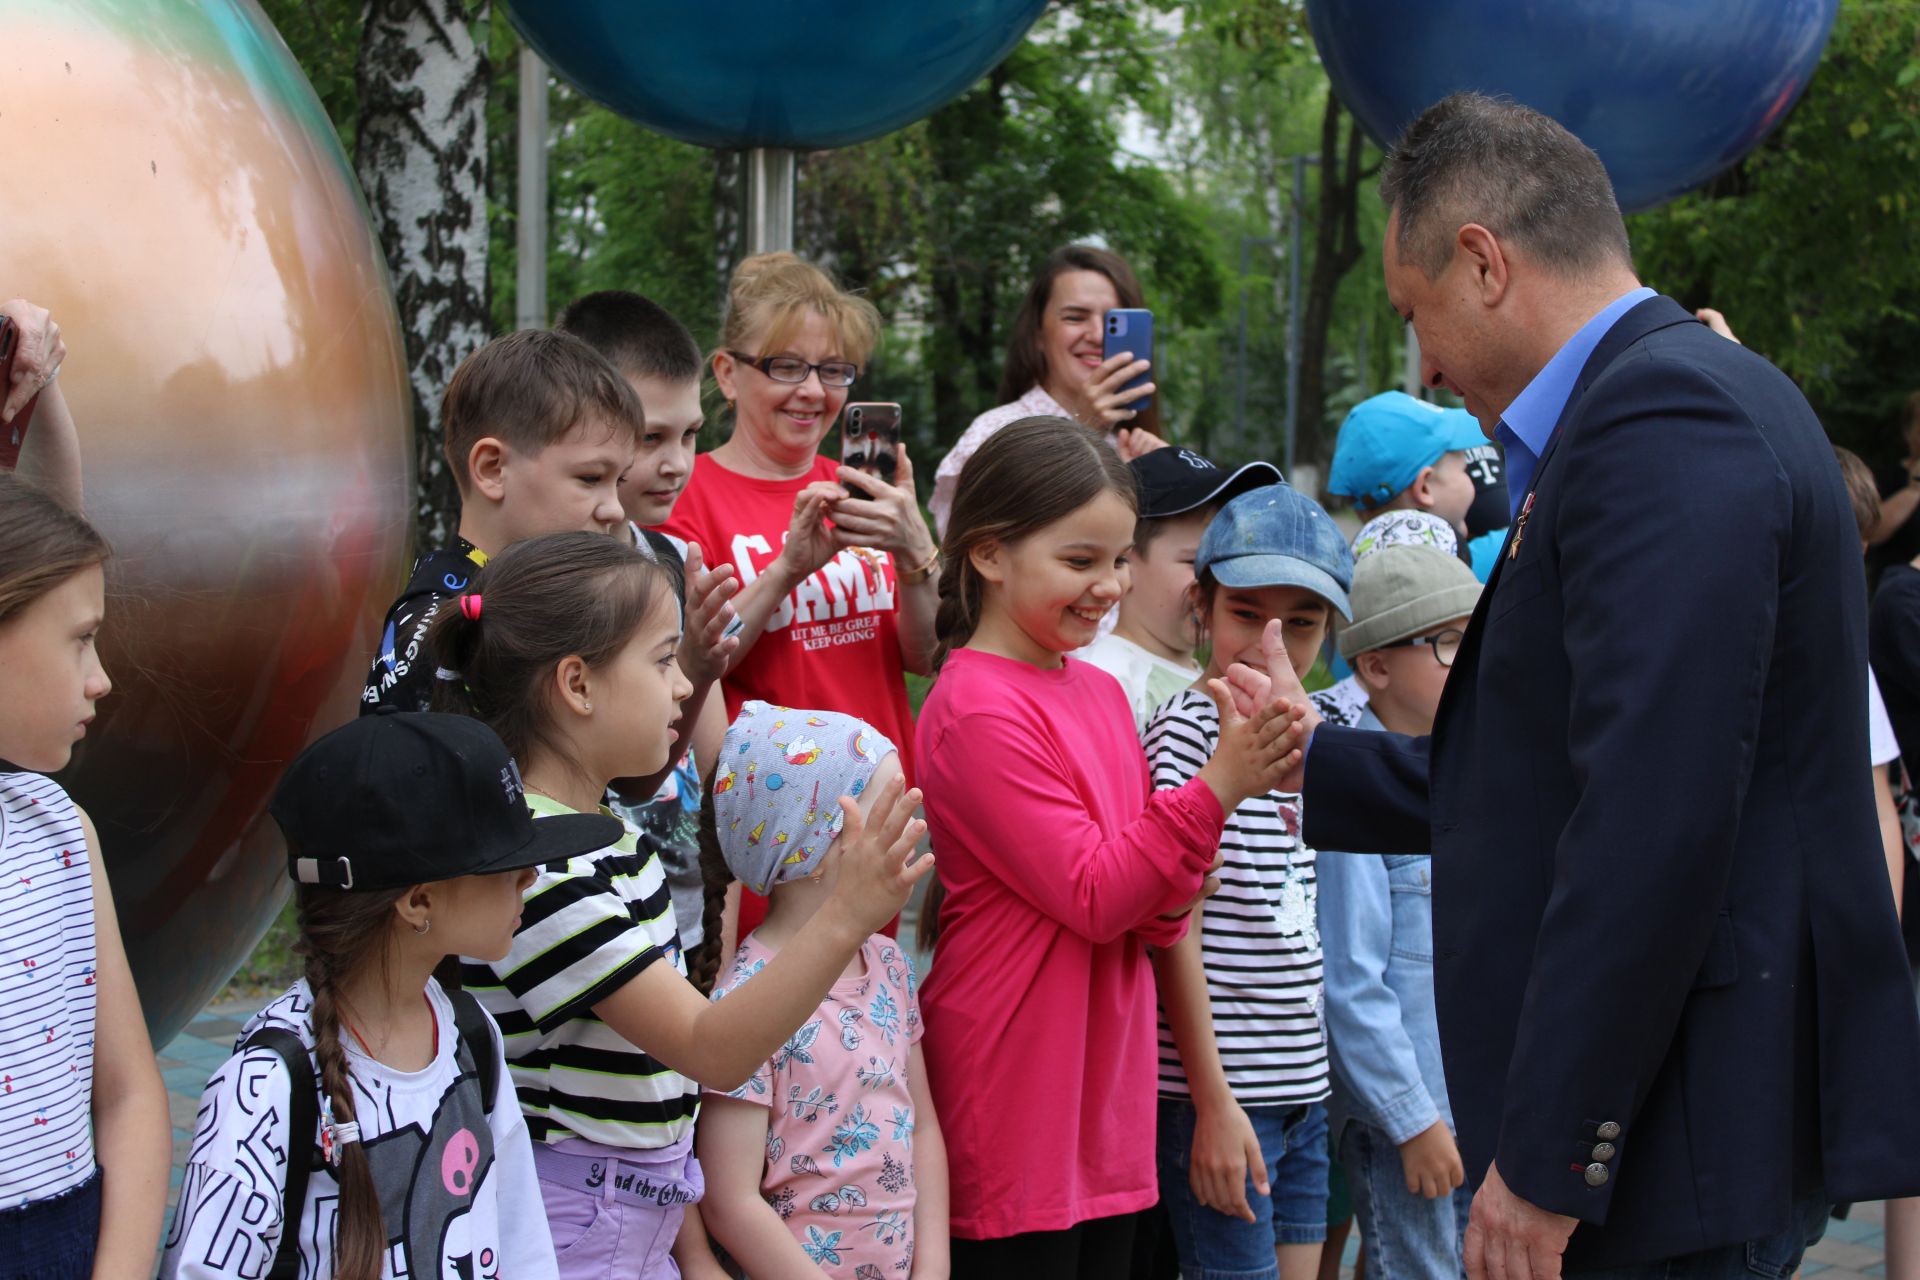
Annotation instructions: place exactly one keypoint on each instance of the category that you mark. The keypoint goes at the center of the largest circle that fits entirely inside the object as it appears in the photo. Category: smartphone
(869, 434)
(1130, 329)
(12, 434)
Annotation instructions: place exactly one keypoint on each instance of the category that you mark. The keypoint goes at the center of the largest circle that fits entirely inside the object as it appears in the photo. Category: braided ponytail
(703, 968)
(340, 933)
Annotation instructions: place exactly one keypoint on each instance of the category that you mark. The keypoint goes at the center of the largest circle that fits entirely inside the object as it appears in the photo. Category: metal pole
(1293, 309)
(530, 277)
(769, 199)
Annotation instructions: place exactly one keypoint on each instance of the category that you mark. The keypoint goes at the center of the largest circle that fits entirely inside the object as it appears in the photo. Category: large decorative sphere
(1668, 93)
(770, 73)
(174, 194)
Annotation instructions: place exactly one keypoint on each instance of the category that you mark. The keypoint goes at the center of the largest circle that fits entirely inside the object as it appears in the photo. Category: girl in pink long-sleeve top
(1060, 864)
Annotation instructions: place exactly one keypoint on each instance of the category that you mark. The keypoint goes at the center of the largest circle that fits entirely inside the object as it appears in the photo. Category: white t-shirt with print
(1147, 678)
(455, 1182)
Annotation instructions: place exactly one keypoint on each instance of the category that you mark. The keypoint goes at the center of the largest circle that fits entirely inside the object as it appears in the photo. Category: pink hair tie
(470, 606)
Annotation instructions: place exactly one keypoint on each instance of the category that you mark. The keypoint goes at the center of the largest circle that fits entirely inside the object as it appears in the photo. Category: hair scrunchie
(470, 606)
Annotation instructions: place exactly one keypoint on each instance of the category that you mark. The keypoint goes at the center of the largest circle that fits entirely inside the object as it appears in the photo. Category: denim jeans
(1214, 1246)
(52, 1239)
(1774, 1257)
(1408, 1236)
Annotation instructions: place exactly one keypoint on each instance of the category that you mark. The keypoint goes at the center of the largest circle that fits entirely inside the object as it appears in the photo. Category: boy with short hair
(1391, 1124)
(1150, 650)
(538, 430)
(659, 359)
(1399, 454)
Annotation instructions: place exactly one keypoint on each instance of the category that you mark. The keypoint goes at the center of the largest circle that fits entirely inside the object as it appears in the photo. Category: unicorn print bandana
(777, 788)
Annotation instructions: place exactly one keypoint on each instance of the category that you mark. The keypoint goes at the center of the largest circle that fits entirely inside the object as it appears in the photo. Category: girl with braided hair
(365, 1126)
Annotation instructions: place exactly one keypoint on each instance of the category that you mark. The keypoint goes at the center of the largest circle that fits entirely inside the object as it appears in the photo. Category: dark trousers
(1099, 1249)
(52, 1239)
(1774, 1258)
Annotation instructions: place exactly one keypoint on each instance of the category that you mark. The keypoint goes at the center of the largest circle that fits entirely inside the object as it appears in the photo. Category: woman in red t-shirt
(838, 591)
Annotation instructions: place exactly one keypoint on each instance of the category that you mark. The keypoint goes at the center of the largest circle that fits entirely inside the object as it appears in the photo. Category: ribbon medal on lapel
(1520, 527)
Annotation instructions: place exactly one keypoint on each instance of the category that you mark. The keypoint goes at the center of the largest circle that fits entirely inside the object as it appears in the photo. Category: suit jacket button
(1605, 1151)
(1597, 1175)
(1607, 1132)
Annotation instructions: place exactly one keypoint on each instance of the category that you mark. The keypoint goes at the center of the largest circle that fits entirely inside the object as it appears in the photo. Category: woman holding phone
(1056, 366)
(838, 588)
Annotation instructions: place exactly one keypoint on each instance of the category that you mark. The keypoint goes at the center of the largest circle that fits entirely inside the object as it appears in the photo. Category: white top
(1036, 403)
(457, 1186)
(1147, 678)
(1259, 940)
(46, 992)
(1882, 746)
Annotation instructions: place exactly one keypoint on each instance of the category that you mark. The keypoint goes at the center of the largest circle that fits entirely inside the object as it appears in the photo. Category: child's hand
(1431, 1162)
(1255, 754)
(1208, 887)
(1225, 1151)
(875, 876)
(705, 648)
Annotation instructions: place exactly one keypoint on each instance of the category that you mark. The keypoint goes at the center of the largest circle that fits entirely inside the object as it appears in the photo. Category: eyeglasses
(833, 373)
(1445, 646)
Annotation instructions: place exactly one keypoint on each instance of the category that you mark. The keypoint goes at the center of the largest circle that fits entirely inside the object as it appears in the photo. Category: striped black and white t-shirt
(588, 926)
(1258, 938)
(47, 992)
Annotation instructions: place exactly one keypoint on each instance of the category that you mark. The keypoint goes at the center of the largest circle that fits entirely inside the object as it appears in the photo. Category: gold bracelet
(914, 577)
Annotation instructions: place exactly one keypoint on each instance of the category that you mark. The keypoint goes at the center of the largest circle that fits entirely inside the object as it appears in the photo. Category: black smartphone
(869, 436)
(12, 434)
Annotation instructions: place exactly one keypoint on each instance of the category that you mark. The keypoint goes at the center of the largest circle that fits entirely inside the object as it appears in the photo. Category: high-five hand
(876, 875)
(705, 646)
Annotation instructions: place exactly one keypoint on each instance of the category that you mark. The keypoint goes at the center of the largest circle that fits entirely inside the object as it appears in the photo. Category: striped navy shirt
(46, 992)
(1258, 939)
(588, 926)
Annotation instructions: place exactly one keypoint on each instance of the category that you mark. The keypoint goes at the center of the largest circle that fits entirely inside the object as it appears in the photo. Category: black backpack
(476, 1033)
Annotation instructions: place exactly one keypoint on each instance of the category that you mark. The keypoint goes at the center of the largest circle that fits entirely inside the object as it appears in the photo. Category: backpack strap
(303, 1108)
(477, 1033)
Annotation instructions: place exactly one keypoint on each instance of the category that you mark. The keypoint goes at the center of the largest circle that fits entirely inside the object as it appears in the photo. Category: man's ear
(1486, 262)
(486, 468)
(989, 560)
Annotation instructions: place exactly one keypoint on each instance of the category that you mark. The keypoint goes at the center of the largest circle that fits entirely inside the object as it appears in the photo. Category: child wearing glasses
(1242, 1149)
(837, 590)
(1392, 1129)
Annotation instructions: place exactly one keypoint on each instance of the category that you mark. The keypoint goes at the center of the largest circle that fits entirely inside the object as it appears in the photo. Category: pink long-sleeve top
(1058, 861)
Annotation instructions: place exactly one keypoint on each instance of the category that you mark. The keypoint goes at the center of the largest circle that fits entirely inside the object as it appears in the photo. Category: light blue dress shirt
(1527, 425)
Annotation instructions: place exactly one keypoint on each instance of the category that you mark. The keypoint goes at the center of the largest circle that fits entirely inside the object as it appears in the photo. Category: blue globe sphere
(1668, 94)
(740, 73)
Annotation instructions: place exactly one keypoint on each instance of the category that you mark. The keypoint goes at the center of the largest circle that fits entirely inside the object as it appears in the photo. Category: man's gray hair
(1516, 172)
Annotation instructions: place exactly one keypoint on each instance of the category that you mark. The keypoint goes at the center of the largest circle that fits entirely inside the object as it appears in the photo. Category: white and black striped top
(1259, 941)
(46, 992)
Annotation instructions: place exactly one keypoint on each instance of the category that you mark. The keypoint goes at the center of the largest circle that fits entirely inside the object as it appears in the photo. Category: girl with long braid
(366, 1126)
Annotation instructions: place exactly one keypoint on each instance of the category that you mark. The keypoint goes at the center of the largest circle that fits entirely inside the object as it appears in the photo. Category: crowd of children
(521, 1046)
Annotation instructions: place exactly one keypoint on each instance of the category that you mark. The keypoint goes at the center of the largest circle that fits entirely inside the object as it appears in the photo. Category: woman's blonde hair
(770, 296)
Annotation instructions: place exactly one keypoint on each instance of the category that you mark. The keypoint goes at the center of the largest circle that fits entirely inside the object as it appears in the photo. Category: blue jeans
(1408, 1236)
(1214, 1246)
(1775, 1257)
(52, 1239)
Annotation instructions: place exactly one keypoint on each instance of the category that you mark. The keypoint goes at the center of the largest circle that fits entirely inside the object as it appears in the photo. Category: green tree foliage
(1811, 245)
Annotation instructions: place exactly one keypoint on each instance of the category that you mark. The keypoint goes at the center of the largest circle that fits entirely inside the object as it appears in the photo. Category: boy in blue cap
(1399, 454)
(1243, 1057)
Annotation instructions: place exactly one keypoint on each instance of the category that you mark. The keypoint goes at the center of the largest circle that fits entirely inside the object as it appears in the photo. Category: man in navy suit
(1675, 1013)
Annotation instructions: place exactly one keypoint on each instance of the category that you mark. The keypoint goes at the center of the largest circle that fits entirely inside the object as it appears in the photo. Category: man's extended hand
(1509, 1239)
(1253, 689)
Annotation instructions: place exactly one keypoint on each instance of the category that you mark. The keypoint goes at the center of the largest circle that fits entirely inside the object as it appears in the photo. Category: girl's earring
(423, 926)
(589, 707)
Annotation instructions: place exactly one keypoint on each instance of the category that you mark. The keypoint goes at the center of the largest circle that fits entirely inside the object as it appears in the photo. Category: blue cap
(1389, 439)
(1278, 537)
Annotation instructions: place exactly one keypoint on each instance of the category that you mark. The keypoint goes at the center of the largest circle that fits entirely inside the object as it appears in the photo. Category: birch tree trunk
(422, 158)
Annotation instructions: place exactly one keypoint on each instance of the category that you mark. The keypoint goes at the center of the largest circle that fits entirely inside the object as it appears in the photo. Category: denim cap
(777, 788)
(1278, 537)
(1403, 590)
(1389, 439)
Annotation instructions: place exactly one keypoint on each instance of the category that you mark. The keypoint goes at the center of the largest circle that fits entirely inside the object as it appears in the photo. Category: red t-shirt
(834, 642)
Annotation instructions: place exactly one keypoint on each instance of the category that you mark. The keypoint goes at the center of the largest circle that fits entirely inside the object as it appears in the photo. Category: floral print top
(840, 1131)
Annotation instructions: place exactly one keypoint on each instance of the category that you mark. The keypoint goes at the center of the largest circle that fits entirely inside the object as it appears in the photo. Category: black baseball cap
(407, 797)
(1173, 481)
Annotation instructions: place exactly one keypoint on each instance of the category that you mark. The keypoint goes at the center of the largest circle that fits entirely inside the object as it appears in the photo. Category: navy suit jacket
(1671, 989)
